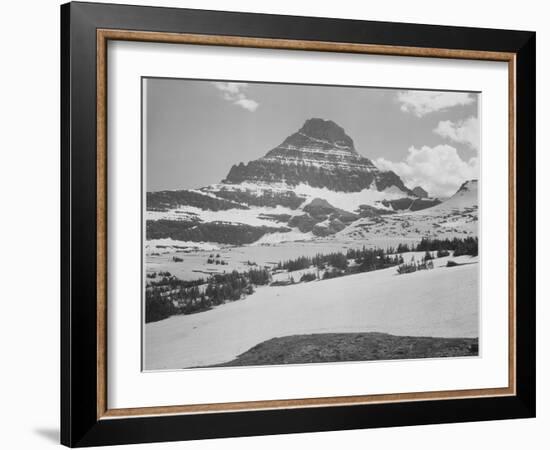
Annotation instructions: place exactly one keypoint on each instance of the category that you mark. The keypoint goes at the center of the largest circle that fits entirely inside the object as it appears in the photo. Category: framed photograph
(276, 224)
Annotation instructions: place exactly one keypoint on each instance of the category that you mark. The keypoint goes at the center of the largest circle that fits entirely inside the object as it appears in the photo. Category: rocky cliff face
(320, 154)
(420, 192)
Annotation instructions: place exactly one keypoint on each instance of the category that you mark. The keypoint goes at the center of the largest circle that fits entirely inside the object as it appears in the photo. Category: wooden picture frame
(86, 418)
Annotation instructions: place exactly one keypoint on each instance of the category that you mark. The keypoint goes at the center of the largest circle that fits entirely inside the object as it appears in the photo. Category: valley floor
(443, 302)
(194, 261)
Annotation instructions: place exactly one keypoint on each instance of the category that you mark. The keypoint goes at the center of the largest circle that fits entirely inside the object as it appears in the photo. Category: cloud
(247, 103)
(464, 132)
(234, 93)
(421, 103)
(439, 169)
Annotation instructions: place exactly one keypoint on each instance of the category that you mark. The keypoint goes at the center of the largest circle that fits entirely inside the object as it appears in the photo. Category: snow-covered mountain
(315, 183)
(455, 217)
(465, 197)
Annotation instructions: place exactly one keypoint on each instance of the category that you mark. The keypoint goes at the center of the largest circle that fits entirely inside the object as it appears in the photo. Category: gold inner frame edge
(103, 36)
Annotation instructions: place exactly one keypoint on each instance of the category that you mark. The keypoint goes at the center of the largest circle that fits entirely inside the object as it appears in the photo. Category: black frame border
(79, 424)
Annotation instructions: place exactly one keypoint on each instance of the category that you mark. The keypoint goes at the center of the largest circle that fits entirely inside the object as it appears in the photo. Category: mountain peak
(318, 139)
(320, 154)
(327, 131)
(465, 197)
(468, 185)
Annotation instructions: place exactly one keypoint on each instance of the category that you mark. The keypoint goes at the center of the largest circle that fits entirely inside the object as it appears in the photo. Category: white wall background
(29, 227)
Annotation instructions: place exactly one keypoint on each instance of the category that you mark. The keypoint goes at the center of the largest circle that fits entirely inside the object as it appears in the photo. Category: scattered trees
(336, 259)
(365, 259)
(333, 273)
(468, 246)
(465, 246)
(368, 259)
(167, 295)
(157, 307)
(170, 295)
(413, 266)
(302, 262)
(308, 276)
(218, 262)
(406, 268)
(403, 248)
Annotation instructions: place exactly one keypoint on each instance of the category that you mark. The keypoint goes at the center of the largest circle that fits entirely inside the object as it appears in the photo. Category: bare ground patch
(340, 347)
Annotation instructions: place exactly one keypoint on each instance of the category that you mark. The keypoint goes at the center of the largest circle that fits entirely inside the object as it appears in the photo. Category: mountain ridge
(320, 154)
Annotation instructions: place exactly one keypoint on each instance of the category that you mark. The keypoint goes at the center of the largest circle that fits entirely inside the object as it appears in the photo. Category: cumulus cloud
(421, 103)
(464, 132)
(235, 93)
(439, 169)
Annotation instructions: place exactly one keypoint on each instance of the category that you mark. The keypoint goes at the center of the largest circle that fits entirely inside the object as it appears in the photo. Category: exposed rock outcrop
(320, 154)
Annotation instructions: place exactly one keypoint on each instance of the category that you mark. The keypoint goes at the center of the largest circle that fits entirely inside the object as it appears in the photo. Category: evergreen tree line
(169, 281)
(308, 276)
(366, 259)
(170, 295)
(465, 246)
(425, 263)
(336, 259)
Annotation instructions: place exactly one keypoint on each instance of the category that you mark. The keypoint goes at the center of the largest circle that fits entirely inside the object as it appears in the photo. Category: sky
(195, 130)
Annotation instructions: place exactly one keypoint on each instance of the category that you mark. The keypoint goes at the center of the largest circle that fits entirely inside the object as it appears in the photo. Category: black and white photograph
(301, 224)
(276, 225)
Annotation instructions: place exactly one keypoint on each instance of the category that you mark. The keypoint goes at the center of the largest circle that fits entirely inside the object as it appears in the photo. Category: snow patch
(173, 244)
(214, 196)
(250, 216)
(276, 238)
(350, 201)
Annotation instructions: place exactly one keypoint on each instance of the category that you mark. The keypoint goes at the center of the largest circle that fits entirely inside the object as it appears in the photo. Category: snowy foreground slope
(442, 302)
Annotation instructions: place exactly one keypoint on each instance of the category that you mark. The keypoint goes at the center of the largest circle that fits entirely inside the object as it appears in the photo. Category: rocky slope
(420, 192)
